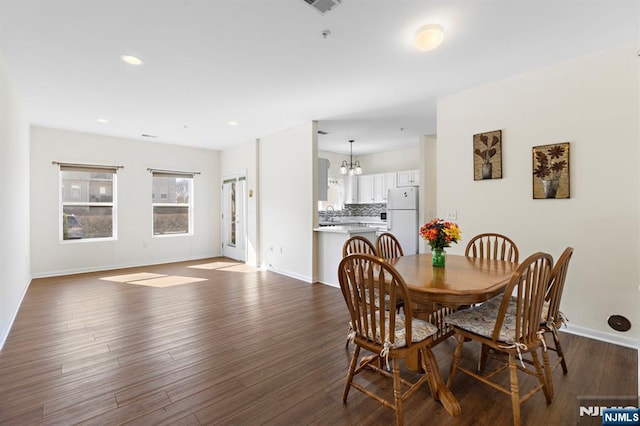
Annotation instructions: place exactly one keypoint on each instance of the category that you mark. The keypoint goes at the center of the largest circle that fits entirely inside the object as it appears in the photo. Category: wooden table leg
(435, 314)
(412, 362)
(439, 391)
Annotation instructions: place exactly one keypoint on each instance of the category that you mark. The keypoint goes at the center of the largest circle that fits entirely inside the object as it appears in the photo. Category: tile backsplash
(365, 209)
(356, 210)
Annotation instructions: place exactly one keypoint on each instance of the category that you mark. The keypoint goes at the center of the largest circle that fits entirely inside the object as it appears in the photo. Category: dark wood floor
(242, 347)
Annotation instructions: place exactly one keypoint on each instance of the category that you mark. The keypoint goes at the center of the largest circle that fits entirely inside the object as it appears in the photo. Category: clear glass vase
(438, 257)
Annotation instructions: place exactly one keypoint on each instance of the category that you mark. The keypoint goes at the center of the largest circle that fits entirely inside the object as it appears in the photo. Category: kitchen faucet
(329, 217)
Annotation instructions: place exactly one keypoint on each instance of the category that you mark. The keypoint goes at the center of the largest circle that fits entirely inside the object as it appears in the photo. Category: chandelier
(351, 168)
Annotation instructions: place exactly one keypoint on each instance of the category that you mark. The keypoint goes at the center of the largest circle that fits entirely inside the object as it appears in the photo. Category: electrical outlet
(451, 215)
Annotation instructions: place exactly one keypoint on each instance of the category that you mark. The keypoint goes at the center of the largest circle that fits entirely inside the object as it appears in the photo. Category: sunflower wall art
(551, 171)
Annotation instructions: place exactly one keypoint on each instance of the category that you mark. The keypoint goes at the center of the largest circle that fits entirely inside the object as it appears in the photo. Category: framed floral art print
(487, 155)
(551, 171)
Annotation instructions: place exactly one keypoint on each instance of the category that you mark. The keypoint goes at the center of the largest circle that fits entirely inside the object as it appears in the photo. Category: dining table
(438, 291)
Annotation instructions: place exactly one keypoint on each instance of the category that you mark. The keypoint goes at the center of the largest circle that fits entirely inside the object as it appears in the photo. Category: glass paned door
(233, 217)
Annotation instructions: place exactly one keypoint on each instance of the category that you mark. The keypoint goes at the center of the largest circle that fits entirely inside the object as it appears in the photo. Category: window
(172, 201)
(87, 202)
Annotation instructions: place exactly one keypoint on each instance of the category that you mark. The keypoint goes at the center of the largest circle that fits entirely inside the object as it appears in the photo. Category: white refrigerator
(402, 217)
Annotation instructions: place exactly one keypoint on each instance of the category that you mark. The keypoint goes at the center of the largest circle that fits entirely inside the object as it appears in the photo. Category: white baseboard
(117, 266)
(329, 284)
(305, 278)
(5, 332)
(616, 339)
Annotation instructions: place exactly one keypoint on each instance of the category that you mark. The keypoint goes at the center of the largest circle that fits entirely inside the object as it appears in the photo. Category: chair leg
(515, 391)
(556, 341)
(548, 372)
(541, 377)
(351, 372)
(397, 392)
(456, 358)
(484, 353)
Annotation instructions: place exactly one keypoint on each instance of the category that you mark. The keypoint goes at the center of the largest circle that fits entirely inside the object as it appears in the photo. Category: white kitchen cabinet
(379, 188)
(365, 189)
(368, 189)
(408, 178)
(382, 183)
(350, 189)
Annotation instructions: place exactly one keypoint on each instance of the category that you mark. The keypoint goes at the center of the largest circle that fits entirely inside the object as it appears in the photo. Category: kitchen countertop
(353, 220)
(338, 223)
(345, 229)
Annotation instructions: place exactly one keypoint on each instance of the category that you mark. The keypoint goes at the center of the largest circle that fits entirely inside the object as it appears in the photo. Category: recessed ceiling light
(233, 123)
(103, 120)
(428, 37)
(131, 60)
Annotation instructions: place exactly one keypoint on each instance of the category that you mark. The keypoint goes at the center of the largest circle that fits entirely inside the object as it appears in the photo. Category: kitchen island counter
(330, 240)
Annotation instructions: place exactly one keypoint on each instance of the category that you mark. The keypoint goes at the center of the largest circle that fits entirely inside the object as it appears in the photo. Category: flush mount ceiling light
(232, 123)
(428, 37)
(103, 121)
(131, 60)
(351, 168)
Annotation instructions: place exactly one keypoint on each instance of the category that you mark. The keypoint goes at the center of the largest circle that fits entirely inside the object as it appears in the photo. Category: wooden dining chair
(358, 244)
(492, 246)
(388, 334)
(510, 331)
(388, 246)
(551, 317)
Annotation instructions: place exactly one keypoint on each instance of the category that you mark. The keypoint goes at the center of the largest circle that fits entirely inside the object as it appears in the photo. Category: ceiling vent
(323, 6)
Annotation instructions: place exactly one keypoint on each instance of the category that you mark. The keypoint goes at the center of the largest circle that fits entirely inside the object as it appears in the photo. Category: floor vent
(323, 6)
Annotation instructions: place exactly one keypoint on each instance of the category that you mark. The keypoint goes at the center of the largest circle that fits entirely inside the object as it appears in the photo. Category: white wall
(390, 161)
(591, 102)
(428, 184)
(288, 201)
(244, 158)
(15, 261)
(335, 160)
(135, 244)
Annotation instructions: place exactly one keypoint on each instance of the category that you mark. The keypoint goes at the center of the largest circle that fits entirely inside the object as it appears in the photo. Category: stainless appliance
(402, 217)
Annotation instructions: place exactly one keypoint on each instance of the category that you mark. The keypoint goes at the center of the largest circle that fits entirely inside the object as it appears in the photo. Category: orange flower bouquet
(440, 234)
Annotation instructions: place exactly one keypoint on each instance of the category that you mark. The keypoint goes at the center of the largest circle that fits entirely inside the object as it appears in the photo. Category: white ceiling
(266, 65)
